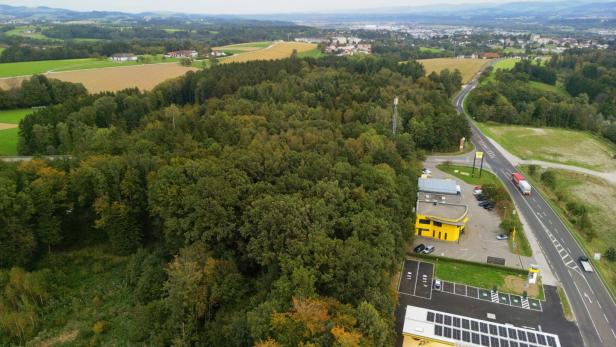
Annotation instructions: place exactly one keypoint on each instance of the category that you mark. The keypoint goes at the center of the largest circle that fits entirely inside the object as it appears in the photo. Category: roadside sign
(479, 155)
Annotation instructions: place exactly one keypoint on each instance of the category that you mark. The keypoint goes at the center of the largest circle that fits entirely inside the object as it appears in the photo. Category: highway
(592, 305)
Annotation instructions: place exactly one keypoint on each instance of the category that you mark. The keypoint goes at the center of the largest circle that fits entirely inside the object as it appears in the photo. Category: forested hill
(260, 203)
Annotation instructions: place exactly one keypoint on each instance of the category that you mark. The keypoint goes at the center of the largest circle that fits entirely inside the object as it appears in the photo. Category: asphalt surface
(592, 305)
(550, 320)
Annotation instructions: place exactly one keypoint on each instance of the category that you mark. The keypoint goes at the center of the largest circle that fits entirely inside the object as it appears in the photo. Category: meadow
(557, 145)
(278, 50)
(468, 67)
(9, 120)
(505, 64)
(38, 67)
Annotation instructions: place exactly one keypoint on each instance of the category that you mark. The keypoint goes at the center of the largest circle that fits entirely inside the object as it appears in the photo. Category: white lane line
(416, 279)
(613, 333)
(550, 221)
(588, 312)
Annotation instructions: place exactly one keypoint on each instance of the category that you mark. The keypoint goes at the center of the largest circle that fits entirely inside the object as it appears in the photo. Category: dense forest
(40, 91)
(587, 101)
(264, 203)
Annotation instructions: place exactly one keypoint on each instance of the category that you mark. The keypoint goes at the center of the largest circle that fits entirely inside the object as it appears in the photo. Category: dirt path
(4, 126)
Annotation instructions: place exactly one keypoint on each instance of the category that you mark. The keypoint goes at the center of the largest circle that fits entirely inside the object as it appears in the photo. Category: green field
(514, 50)
(38, 67)
(505, 64)
(21, 31)
(8, 137)
(315, 53)
(14, 116)
(569, 147)
(261, 44)
(431, 49)
(556, 89)
(8, 141)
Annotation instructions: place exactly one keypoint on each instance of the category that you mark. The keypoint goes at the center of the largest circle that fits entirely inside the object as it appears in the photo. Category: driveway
(479, 240)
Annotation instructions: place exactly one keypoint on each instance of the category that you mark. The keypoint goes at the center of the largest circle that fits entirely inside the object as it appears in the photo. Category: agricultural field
(144, 77)
(314, 53)
(44, 66)
(9, 121)
(279, 50)
(38, 67)
(505, 64)
(599, 197)
(28, 31)
(563, 146)
(514, 50)
(431, 49)
(468, 67)
(244, 47)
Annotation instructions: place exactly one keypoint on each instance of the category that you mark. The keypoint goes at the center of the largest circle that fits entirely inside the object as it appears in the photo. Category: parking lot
(416, 279)
(479, 239)
(481, 303)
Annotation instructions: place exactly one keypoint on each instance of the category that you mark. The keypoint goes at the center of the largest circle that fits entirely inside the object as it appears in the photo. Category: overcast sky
(231, 6)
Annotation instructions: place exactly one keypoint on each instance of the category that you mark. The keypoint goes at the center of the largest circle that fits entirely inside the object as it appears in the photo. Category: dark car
(481, 197)
(419, 248)
(484, 203)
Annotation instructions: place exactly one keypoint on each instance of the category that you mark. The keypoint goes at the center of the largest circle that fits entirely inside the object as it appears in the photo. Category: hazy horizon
(235, 7)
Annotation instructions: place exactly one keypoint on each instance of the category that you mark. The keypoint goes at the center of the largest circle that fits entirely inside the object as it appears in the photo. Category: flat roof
(445, 212)
(437, 185)
(465, 331)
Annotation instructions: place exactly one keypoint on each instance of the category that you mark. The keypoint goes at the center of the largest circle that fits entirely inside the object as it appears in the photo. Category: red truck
(521, 183)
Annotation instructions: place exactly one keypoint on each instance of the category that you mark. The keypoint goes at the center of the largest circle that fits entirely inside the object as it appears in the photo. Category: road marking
(587, 297)
(588, 312)
(613, 333)
(416, 278)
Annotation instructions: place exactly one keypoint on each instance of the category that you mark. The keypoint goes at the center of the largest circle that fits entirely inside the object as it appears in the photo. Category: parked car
(502, 237)
(428, 250)
(437, 284)
(483, 203)
(477, 192)
(419, 248)
(489, 207)
(426, 171)
(481, 197)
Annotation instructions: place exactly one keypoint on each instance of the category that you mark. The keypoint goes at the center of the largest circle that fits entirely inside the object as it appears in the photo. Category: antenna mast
(394, 120)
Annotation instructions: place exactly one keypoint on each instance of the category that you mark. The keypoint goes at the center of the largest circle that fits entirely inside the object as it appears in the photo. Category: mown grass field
(38, 67)
(465, 173)
(279, 50)
(431, 49)
(22, 31)
(314, 53)
(556, 89)
(505, 64)
(243, 47)
(563, 146)
(600, 198)
(468, 67)
(8, 137)
(43, 66)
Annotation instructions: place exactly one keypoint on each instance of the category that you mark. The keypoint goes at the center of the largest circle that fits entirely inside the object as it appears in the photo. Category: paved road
(28, 158)
(592, 305)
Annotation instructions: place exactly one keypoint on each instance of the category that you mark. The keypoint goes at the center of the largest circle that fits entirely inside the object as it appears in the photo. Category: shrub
(610, 254)
(98, 327)
(549, 179)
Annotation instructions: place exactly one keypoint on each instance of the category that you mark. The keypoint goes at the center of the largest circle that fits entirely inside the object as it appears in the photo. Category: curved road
(592, 305)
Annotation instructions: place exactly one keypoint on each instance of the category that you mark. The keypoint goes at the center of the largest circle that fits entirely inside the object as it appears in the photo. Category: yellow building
(440, 213)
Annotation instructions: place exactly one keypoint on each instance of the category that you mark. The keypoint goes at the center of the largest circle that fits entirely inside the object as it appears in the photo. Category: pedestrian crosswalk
(494, 296)
(525, 303)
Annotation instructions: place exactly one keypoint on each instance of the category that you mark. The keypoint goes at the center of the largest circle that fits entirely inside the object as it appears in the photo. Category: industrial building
(425, 327)
(440, 213)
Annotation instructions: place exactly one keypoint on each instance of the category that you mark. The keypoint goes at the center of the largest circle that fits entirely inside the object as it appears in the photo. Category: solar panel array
(488, 334)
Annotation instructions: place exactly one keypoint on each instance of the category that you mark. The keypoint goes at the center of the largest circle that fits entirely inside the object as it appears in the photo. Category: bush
(532, 170)
(98, 327)
(549, 179)
(610, 254)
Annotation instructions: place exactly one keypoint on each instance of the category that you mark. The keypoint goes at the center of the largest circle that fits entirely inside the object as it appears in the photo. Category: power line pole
(394, 120)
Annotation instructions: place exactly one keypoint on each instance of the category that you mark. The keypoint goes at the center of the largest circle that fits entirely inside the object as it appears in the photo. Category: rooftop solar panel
(513, 344)
(522, 335)
(447, 320)
(531, 337)
(502, 331)
(551, 341)
(439, 318)
(504, 343)
(430, 316)
(447, 332)
(474, 326)
(494, 341)
(485, 341)
(465, 323)
(466, 336)
(456, 322)
(483, 327)
(493, 330)
(541, 339)
(456, 334)
(438, 330)
(475, 338)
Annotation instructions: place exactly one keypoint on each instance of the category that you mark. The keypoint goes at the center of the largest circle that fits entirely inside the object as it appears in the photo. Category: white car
(477, 191)
(502, 237)
(426, 171)
(437, 284)
(428, 250)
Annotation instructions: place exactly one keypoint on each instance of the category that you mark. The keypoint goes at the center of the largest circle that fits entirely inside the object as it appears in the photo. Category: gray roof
(437, 185)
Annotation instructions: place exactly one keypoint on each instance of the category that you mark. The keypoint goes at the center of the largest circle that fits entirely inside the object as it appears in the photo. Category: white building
(124, 57)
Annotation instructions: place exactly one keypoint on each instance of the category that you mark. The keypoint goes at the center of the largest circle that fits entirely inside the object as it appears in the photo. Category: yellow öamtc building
(440, 211)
